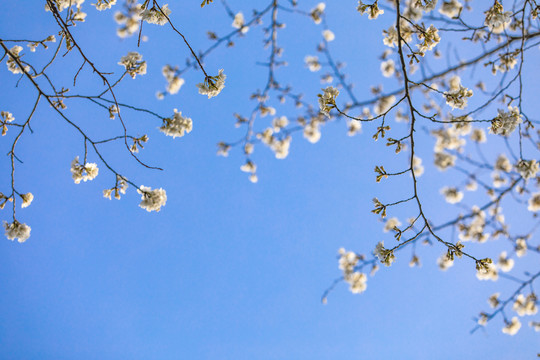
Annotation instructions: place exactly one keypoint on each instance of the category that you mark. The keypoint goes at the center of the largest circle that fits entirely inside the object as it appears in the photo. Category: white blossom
(384, 104)
(133, 64)
(174, 82)
(507, 62)
(451, 8)
(12, 64)
(372, 10)
(390, 224)
(521, 247)
(384, 255)
(503, 164)
(84, 172)
(388, 68)
(152, 200)
(312, 62)
(64, 4)
(155, 16)
(444, 160)
(104, 4)
(505, 263)
(281, 147)
(177, 126)
(418, 168)
(534, 202)
(27, 199)
(527, 168)
(512, 327)
(483, 319)
(493, 300)
(457, 99)
(353, 127)
(327, 100)
(280, 123)
(425, 5)
(357, 282)
(328, 35)
(478, 136)
(506, 122)
(239, 23)
(249, 167)
(312, 132)
(317, 11)
(488, 272)
(16, 230)
(452, 195)
(430, 38)
(212, 85)
(347, 261)
(390, 37)
(497, 19)
(525, 306)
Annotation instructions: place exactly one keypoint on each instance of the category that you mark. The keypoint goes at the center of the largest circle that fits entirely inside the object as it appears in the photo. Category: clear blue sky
(227, 269)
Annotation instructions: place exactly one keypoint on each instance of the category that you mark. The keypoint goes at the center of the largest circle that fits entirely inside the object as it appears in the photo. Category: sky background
(227, 269)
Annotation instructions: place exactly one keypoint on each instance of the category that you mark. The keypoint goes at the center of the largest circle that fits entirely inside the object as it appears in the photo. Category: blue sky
(227, 269)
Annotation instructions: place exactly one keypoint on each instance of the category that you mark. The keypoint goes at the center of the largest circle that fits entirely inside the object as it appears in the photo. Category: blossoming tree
(457, 70)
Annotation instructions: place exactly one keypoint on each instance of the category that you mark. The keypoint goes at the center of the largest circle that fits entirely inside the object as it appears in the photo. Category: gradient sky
(227, 269)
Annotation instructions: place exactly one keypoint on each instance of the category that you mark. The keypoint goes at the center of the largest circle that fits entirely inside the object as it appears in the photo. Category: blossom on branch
(133, 64)
(212, 85)
(155, 15)
(177, 125)
(16, 230)
(152, 200)
(84, 172)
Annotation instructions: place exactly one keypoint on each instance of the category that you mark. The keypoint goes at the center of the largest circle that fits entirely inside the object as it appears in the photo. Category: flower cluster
(104, 4)
(457, 98)
(506, 122)
(425, 5)
(385, 256)
(444, 160)
(16, 230)
(525, 306)
(430, 38)
(128, 20)
(512, 327)
(12, 63)
(133, 63)
(239, 23)
(177, 126)
(451, 8)
(280, 146)
(27, 199)
(475, 230)
(534, 202)
(120, 188)
(251, 168)
(212, 85)
(152, 200)
(5, 118)
(155, 15)
(317, 12)
(174, 81)
(312, 62)
(327, 100)
(356, 279)
(84, 172)
(497, 19)
(372, 10)
(527, 168)
(452, 195)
